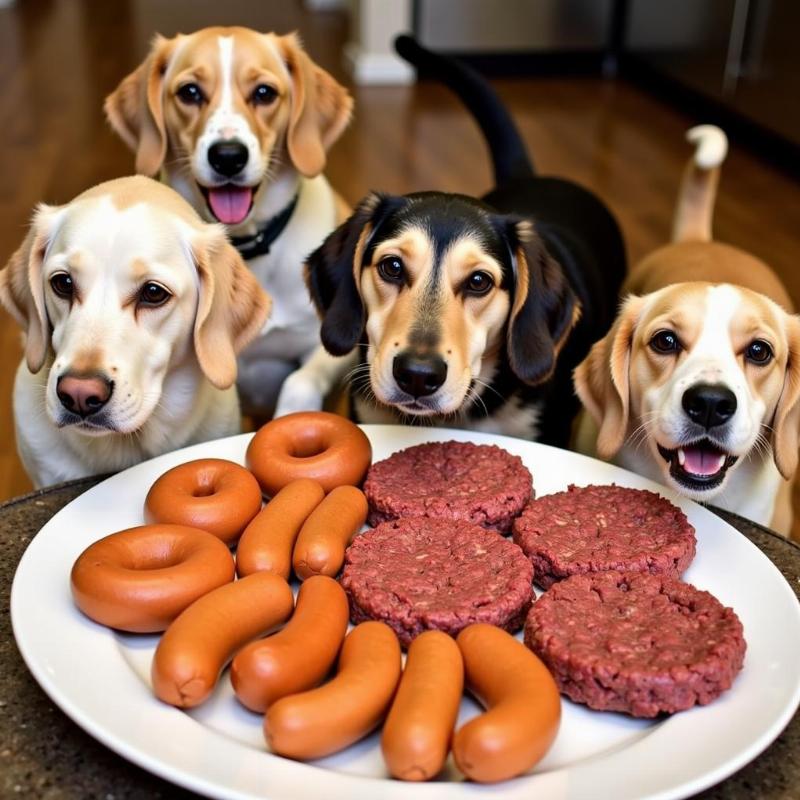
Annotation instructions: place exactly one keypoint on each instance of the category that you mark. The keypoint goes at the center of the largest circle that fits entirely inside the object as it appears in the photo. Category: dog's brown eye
(263, 94)
(391, 269)
(479, 283)
(191, 94)
(153, 294)
(665, 342)
(759, 352)
(61, 283)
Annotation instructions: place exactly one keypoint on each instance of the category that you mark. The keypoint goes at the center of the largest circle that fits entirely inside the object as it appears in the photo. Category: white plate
(101, 679)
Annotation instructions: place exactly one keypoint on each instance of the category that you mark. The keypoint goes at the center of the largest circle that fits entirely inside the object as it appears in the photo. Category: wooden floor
(59, 58)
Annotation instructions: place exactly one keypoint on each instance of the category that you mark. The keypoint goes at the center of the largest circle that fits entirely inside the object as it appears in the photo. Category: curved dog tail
(510, 159)
(698, 192)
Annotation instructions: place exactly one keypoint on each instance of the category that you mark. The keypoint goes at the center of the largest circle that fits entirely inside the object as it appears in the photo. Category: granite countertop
(43, 754)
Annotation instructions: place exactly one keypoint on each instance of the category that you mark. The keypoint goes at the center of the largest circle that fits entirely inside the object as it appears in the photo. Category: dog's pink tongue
(230, 204)
(702, 461)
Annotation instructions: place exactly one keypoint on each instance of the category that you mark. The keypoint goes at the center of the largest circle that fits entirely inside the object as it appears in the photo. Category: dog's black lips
(689, 479)
(413, 407)
(204, 190)
(100, 424)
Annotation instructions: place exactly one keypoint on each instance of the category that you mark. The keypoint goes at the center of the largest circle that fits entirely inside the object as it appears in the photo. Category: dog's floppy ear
(231, 310)
(22, 287)
(333, 274)
(786, 426)
(135, 109)
(544, 308)
(320, 109)
(602, 379)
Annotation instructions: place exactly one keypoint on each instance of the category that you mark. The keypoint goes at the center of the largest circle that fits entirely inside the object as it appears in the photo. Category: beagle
(239, 123)
(134, 310)
(465, 312)
(697, 383)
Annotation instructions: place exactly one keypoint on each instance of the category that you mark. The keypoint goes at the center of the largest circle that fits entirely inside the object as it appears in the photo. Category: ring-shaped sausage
(212, 494)
(309, 444)
(141, 579)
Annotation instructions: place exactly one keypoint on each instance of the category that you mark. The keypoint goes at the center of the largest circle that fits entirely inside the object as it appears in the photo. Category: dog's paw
(298, 393)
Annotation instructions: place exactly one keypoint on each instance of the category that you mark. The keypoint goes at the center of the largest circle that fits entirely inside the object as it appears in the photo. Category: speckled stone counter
(43, 754)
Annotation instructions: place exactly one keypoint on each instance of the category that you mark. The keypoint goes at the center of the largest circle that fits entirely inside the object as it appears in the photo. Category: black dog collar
(260, 242)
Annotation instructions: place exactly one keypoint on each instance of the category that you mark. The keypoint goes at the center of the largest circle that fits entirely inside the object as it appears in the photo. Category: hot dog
(198, 644)
(300, 655)
(327, 719)
(267, 542)
(320, 545)
(416, 735)
(522, 702)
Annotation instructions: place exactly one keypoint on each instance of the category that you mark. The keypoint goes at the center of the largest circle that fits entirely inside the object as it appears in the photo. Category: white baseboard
(376, 69)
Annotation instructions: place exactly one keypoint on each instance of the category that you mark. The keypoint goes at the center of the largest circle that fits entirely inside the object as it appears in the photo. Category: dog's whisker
(639, 435)
(477, 400)
(488, 386)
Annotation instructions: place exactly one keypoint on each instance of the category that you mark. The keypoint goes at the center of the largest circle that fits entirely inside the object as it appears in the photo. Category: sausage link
(300, 655)
(417, 733)
(267, 542)
(322, 721)
(198, 644)
(522, 702)
(320, 545)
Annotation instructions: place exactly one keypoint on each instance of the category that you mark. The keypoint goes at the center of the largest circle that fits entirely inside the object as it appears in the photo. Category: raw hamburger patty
(596, 528)
(633, 642)
(419, 573)
(483, 484)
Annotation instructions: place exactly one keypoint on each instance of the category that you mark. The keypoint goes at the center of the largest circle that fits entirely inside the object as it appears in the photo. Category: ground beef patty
(419, 573)
(633, 642)
(596, 528)
(483, 484)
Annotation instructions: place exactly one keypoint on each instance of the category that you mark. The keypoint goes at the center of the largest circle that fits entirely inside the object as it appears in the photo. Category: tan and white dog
(697, 383)
(134, 310)
(239, 123)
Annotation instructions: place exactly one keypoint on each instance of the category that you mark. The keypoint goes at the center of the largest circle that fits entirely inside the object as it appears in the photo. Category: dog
(239, 123)
(465, 312)
(134, 310)
(697, 384)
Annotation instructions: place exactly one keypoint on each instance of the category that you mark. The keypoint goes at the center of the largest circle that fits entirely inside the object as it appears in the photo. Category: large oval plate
(101, 678)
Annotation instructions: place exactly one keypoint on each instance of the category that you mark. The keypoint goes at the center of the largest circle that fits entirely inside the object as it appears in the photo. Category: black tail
(510, 157)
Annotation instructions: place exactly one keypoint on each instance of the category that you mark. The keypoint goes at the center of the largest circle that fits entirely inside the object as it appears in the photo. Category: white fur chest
(293, 327)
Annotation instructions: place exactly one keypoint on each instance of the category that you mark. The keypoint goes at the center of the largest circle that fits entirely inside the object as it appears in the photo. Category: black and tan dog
(471, 313)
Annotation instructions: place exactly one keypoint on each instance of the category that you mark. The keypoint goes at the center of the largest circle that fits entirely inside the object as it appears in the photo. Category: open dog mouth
(230, 204)
(700, 465)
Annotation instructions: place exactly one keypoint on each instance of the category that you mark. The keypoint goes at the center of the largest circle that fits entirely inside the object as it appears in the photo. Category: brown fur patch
(714, 261)
(89, 362)
(135, 189)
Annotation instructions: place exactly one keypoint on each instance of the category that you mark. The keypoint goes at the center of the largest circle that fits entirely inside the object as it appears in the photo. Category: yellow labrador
(697, 383)
(134, 310)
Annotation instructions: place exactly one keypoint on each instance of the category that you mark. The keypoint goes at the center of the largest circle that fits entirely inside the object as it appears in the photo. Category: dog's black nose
(709, 404)
(84, 394)
(228, 157)
(419, 375)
